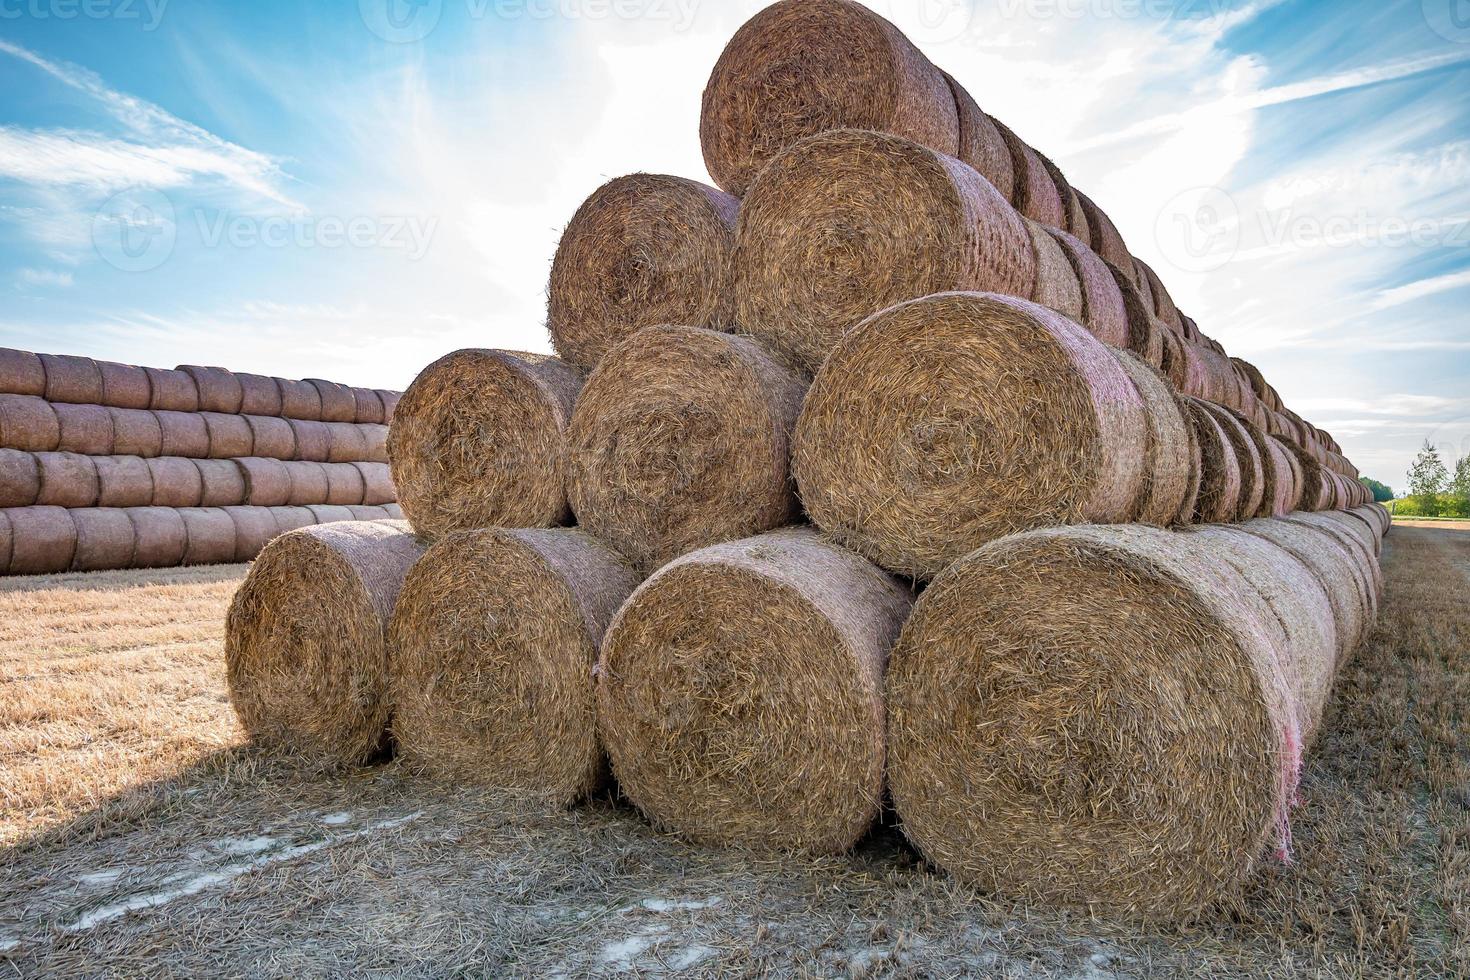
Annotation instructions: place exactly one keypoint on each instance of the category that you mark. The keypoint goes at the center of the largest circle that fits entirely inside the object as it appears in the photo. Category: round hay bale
(848, 223)
(20, 478)
(479, 440)
(42, 540)
(267, 482)
(176, 482)
(328, 513)
(682, 438)
(1166, 473)
(183, 434)
(1275, 474)
(1314, 494)
(1066, 196)
(1333, 567)
(291, 518)
(1141, 282)
(1164, 306)
(981, 144)
(942, 423)
(313, 440)
(210, 536)
(740, 693)
(135, 432)
(364, 512)
(309, 483)
(1196, 466)
(1036, 195)
(375, 444)
(125, 386)
(394, 511)
(28, 423)
(219, 390)
(67, 480)
(254, 529)
(493, 643)
(104, 539)
(390, 403)
(259, 395)
(1147, 337)
(1056, 281)
(6, 540)
(1361, 545)
(300, 400)
(338, 403)
(21, 373)
(271, 437)
(1360, 527)
(369, 406)
(802, 67)
(123, 481)
(72, 379)
(1247, 460)
(345, 485)
(305, 650)
(229, 436)
(1093, 717)
(222, 483)
(171, 391)
(1219, 496)
(85, 429)
(1103, 309)
(1292, 494)
(1106, 240)
(643, 250)
(159, 537)
(377, 482)
(346, 442)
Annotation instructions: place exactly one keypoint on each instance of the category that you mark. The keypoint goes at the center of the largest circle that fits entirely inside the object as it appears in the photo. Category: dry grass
(117, 679)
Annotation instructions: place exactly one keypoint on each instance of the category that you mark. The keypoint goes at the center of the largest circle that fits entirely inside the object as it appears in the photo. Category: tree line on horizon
(1434, 490)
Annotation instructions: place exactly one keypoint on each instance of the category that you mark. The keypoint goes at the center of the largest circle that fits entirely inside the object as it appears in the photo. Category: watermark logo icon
(932, 21)
(401, 21)
(135, 230)
(1450, 19)
(1198, 230)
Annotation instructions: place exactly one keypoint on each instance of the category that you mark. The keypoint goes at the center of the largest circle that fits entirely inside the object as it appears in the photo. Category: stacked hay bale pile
(106, 465)
(897, 348)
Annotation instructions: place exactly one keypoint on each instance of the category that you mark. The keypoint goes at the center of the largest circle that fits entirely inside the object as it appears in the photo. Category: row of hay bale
(1103, 717)
(32, 424)
(72, 379)
(74, 480)
(46, 539)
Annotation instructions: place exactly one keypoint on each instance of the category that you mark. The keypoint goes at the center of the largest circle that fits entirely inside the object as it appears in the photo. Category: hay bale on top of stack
(727, 367)
(147, 467)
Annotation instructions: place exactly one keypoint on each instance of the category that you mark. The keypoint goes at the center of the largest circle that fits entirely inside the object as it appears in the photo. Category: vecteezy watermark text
(149, 12)
(407, 21)
(410, 234)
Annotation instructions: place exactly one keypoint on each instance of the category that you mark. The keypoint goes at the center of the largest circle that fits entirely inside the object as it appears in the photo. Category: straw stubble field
(141, 834)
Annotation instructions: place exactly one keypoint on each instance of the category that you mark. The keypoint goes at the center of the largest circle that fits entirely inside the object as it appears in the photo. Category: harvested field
(142, 836)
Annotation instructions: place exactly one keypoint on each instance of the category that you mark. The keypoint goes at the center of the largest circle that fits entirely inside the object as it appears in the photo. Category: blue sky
(350, 188)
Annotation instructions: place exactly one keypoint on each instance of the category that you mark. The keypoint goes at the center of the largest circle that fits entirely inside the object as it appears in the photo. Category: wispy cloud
(1410, 292)
(45, 277)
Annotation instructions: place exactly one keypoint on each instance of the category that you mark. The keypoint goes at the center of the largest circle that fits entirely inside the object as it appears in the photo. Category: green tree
(1460, 488)
(1382, 492)
(1428, 478)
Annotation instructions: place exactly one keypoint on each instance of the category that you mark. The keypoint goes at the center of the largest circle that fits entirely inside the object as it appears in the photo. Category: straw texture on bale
(493, 643)
(305, 650)
(291, 518)
(1056, 281)
(1219, 494)
(981, 144)
(209, 536)
(479, 440)
(312, 440)
(377, 483)
(1164, 306)
(344, 484)
(1333, 567)
(267, 482)
(300, 400)
(802, 67)
(740, 693)
(85, 429)
(375, 443)
(329, 513)
(105, 539)
(309, 484)
(229, 436)
(1247, 460)
(254, 528)
(135, 432)
(1036, 194)
(124, 386)
(365, 512)
(942, 423)
(369, 406)
(42, 540)
(72, 379)
(221, 482)
(183, 434)
(1104, 311)
(259, 395)
(66, 480)
(171, 391)
(390, 403)
(681, 438)
(643, 250)
(1106, 241)
(21, 373)
(346, 442)
(1102, 717)
(847, 223)
(271, 437)
(1360, 551)
(20, 478)
(1147, 337)
(176, 482)
(28, 423)
(123, 481)
(159, 537)
(338, 402)
(1166, 473)
(219, 389)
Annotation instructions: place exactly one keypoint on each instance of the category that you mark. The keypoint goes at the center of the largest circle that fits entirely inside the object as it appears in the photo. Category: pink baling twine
(1290, 780)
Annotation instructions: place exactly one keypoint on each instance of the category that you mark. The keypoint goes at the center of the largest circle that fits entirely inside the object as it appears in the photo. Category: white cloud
(45, 277)
(1420, 289)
